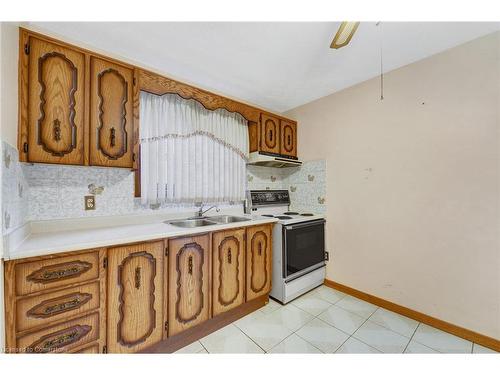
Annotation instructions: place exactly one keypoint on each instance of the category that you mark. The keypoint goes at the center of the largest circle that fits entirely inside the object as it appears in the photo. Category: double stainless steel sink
(204, 221)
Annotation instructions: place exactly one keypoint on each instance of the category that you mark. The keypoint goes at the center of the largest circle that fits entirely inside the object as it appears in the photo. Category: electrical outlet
(89, 202)
(327, 256)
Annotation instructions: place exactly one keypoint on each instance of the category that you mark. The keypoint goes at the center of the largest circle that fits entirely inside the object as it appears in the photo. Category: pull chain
(381, 63)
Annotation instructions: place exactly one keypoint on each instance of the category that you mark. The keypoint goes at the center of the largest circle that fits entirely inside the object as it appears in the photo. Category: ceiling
(275, 65)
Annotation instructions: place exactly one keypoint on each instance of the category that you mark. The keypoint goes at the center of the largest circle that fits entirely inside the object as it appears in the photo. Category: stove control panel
(269, 197)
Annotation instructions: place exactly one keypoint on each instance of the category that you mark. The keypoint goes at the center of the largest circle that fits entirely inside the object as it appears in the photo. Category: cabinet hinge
(105, 262)
(104, 349)
(25, 147)
(166, 251)
(27, 49)
(166, 326)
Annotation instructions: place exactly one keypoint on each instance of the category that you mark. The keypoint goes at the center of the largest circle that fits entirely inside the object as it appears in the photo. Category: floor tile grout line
(411, 338)
(352, 335)
(249, 337)
(203, 345)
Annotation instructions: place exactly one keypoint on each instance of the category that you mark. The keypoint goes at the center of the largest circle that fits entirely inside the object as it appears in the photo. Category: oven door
(303, 248)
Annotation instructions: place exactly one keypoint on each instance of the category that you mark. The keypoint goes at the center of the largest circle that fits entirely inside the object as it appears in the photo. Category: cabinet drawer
(50, 307)
(89, 349)
(61, 337)
(51, 273)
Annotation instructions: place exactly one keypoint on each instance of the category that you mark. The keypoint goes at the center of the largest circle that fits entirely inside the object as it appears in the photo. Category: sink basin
(192, 223)
(226, 219)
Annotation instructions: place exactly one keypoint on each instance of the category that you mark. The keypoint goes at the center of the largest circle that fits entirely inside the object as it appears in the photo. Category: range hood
(271, 160)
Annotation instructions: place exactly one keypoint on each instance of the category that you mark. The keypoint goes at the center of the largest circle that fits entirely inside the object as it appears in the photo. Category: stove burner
(307, 214)
(283, 217)
(290, 213)
(267, 215)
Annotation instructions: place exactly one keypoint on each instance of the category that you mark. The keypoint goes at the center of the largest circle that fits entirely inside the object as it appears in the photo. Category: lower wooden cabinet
(258, 261)
(188, 282)
(127, 298)
(228, 264)
(135, 296)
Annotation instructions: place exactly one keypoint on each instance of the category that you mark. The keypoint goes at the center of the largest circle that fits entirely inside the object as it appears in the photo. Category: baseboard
(464, 333)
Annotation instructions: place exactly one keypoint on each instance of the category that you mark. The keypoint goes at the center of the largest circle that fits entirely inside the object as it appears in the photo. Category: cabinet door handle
(112, 137)
(57, 130)
(289, 140)
(137, 277)
(260, 248)
(190, 265)
(270, 135)
(229, 255)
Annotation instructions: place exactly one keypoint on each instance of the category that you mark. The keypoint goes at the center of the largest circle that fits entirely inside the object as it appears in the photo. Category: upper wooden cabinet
(228, 285)
(288, 144)
(135, 295)
(258, 261)
(188, 282)
(273, 135)
(111, 120)
(74, 107)
(55, 104)
(269, 134)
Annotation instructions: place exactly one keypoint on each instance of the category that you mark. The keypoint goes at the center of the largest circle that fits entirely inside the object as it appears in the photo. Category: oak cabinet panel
(188, 282)
(56, 272)
(56, 81)
(111, 116)
(269, 134)
(135, 297)
(62, 337)
(228, 264)
(88, 349)
(47, 308)
(288, 144)
(258, 261)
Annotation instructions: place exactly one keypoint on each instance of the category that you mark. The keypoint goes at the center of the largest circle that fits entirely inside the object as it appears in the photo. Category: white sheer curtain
(190, 154)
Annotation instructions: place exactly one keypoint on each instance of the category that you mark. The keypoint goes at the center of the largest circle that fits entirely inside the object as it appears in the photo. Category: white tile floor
(327, 321)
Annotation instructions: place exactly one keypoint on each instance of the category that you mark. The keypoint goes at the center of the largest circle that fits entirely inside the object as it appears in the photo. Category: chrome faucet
(202, 212)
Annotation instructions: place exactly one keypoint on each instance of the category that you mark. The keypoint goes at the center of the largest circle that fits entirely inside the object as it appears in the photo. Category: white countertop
(53, 241)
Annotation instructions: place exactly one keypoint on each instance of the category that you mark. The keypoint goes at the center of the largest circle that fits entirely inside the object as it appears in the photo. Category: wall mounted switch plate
(89, 202)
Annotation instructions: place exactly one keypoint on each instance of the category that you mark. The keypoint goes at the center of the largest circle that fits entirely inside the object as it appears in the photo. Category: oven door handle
(304, 225)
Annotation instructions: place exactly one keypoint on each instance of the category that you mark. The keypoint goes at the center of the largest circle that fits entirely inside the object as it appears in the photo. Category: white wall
(413, 184)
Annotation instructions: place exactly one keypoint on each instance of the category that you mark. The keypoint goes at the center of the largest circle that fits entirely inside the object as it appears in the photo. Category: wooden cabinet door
(56, 83)
(269, 134)
(258, 263)
(288, 144)
(188, 295)
(111, 117)
(228, 282)
(135, 292)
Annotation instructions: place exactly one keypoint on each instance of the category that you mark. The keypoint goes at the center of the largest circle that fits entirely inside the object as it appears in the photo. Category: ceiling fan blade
(344, 34)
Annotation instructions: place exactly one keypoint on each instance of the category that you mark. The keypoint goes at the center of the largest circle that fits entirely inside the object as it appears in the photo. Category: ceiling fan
(344, 34)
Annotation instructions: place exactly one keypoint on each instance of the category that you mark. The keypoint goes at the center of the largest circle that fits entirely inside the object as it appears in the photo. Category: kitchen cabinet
(258, 261)
(288, 144)
(188, 282)
(55, 103)
(269, 134)
(135, 295)
(228, 285)
(111, 122)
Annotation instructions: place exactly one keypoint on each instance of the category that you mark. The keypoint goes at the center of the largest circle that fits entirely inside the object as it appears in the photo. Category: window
(190, 154)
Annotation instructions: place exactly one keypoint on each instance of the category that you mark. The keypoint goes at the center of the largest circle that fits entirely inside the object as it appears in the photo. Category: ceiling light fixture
(344, 34)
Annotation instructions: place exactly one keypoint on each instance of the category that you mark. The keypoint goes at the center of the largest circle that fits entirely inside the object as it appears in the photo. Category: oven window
(305, 247)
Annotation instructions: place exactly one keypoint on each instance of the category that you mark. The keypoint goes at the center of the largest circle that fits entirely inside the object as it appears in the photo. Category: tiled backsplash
(43, 192)
(307, 184)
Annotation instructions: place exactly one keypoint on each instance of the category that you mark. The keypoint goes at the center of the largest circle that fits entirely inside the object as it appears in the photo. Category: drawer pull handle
(289, 140)
(59, 272)
(260, 248)
(270, 135)
(59, 305)
(190, 265)
(137, 277)
(229, 255)
(112, 137)
(57, 130)
(59, 339)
